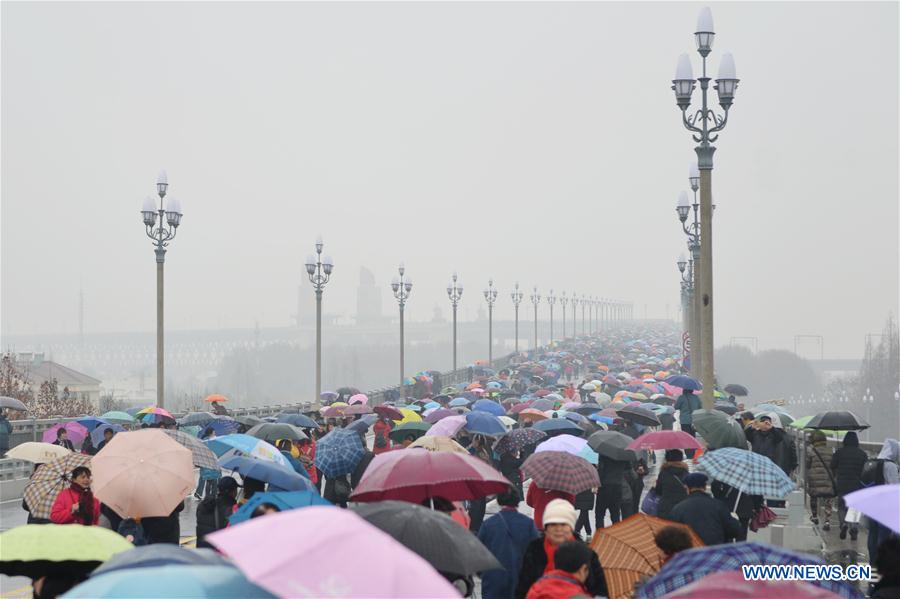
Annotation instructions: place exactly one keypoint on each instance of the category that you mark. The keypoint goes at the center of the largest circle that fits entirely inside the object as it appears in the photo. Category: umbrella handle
(736, 501)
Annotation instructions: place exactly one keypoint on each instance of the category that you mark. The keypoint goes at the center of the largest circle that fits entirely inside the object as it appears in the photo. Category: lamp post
(161, 235)
(551, 299)
(516, 296)
(868, 400)
(686, 268)
(563, 300)
(692, 231)
(584, 302)
(535, 299)
(490, 296)
(704, 126)
(574, 316)
(319, 271)
(454, 292)
(402, 287)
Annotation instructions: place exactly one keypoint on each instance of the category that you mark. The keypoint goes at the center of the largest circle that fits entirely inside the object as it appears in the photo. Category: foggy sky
(532, 142)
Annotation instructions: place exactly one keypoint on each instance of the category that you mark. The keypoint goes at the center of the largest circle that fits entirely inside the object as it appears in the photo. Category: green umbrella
(35, 550)
(120, 417)
(416, 429)
(803, 421)
(719, 430)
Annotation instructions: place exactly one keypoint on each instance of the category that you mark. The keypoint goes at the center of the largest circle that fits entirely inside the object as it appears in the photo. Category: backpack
(380, 440)
(872, 473)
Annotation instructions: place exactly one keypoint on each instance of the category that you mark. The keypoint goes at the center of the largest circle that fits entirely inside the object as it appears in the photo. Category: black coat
(509, 467)
(670, 486)
(164, 529)
(612, 472)
(360, 469)
(212, 515)
(775, 445)
(847, 465)
(535, 561)
(746, 504)
(709, 518)
(585, 500)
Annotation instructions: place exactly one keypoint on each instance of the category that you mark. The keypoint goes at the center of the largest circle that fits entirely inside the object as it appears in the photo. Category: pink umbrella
(570, 405)
(665, 440)
(77, 432)
(731, 584)
(267, 551)
(358, 398)
(447, 427)
(519, 407)
(609, 413)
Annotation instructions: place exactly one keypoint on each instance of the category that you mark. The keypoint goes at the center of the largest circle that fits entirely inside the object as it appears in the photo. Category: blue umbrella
(459, 402)
(482, 423)
(246, 445)
(198, 582)
(270, 472)
(596, 417)
(97, 433)
(295, 464)
(91, 422)
(491, 407)
(558, 426)
(684, 381)
(283, 501)
(160, 554)
(338, 452)
(222, 426)
(363, 424)
(575, 417)
(432, 405)
(299, 420)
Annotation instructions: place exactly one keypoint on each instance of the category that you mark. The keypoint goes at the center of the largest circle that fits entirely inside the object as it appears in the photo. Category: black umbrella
(197, 419)
(837, 421)
(612, 444)
(638, 415)
(248, 420)
(272, 431)
(663, 400)
(298, 420)
(736, 390)
(726, 406)
(11, 403)
(586, 409)
(439, 540)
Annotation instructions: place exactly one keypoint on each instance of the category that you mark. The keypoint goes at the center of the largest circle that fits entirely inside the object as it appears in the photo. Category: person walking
(820, 483)
(5, 432)
(847, 465)
(559, 527)
(213, 512)
(670, 482)
(741, 504)
(62, 439)
(510, 462)
(506, 534)
(709, 517)
(584, 503)
(572, 562)
(382, 431)
(767, 438)
(612, 483)
(685, 405)
(76, 504)
(881, 471)
(539, 499)
(477, 507)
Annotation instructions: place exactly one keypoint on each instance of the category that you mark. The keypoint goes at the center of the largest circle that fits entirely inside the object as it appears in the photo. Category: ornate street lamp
(516, 296)
(402, 287)
(454, 292)
(490, 296)
(319, 271)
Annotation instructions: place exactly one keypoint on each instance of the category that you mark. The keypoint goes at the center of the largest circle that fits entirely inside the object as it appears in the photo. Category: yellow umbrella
(408, 416)
(438, 443)
(36, 452)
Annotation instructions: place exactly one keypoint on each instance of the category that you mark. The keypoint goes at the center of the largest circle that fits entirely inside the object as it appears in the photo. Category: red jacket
(538, 498)
(383, 428)
(62, 508)
(557, 584)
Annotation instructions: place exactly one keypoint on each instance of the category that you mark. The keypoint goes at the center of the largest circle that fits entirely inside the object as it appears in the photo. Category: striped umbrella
(746, 471)
(561, 471)
(49, 480)
(201, 455)
(628, 552)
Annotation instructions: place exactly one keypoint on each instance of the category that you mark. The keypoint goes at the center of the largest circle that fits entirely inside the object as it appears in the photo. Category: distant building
(40, 370)
(368, 299)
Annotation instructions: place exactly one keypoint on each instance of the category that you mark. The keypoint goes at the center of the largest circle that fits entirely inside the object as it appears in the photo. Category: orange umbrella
(473, 386)
(141, 474)
(627, 551)
(215, 398)
(532, 414)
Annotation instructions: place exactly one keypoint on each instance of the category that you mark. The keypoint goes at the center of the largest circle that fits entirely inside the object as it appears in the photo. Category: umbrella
(34, 550)
(328, 395)
(586, 409)
(639, 415)
(91, 422)
(347, 391)
(414, 476)
(196, 418)
(248, 445)
(746, 471)
(97, 433)
(51, 478)
(459, 402)
(77, 432)
(283, 500)
(160, 554)
(482, 423)
(881, 503)
(532, 414)
(360, 398)
(684, 381)
(725, 406)
(543, 404)
(489, 406)
(561, 471)
(388, 569)
(443, 543)
(142, 474)
(215, 398)
(116, 416)
(447, 427)
(334, 411)
(155, 410)
(416, 429)
(569, 444)
(389, 412)
(176, 580)
(663, 400)
(612, 445)
(357, 409)
(628, 552)
(665, 440)
(837, 421)
(277, 475)
(201, 455)
(433, 443)
(735, 586)
(274, 431)
(719, 430)
(36, 452)
(693, 564)
(223, 425)
(409, 415)
(338, 452)
(248, 421)
(736, 390)
(438, 414)
(11, 403)
(362, 425)
(558, 426)
(518, 439)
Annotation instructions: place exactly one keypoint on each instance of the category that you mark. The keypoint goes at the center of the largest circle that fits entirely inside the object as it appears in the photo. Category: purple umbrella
(438, 414)
(447, 427)
(880, 503)
(77, 432)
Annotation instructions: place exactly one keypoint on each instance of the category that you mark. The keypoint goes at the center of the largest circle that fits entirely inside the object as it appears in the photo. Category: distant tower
(368, 298)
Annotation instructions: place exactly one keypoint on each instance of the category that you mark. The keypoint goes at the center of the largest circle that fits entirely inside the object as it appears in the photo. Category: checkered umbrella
(338, 452)
(519, 438)
(746, 471)
(693, 564)
(49, 480)
(561, 471)
(201, 455)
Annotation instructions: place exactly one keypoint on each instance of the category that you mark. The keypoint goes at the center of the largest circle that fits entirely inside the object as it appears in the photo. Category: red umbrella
(519, 407)
(357, 408)
(413, 475)
(334, 412)
(665, 440)
(542, 392)
(389, 412)
(561, 471)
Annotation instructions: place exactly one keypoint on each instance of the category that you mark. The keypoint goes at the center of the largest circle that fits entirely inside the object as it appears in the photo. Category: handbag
(761, 518)
(650, 504)
(853, 515)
